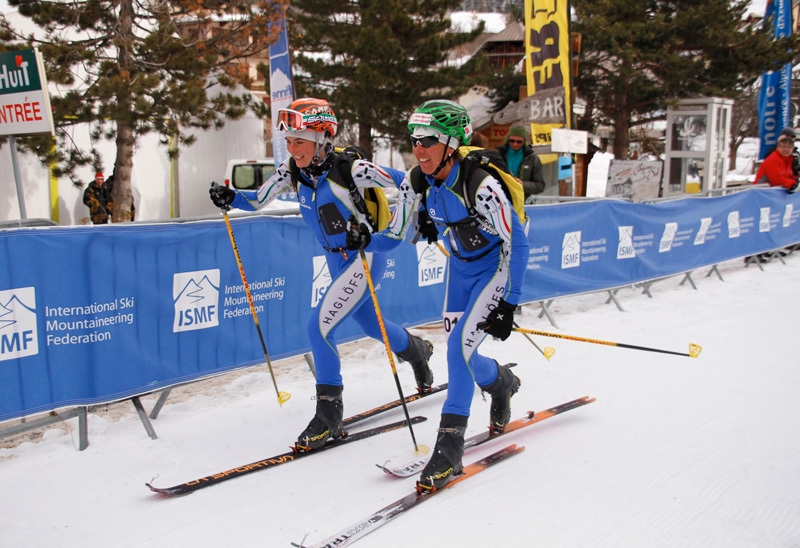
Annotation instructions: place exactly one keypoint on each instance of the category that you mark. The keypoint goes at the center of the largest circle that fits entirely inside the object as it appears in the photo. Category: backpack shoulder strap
(419, 184)
(470, 176)
(294, 173)
(340, 168)
(342, 165)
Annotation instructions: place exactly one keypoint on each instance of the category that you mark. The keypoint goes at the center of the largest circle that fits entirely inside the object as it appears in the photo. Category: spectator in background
(522, 161)
(777, 169)
(97, 198)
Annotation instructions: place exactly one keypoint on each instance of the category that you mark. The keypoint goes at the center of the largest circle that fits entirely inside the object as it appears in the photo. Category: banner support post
(17, 176)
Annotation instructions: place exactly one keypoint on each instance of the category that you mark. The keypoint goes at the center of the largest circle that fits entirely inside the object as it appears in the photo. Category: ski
(368, 414)
(271, 462)
(383, 516)
(397, 403)
(530, 418)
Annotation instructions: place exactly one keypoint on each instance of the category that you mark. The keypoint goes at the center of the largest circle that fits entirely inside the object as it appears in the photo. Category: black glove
(793, 188)
(358, 235)
(500, 320)
(427, 228)
(221, 195)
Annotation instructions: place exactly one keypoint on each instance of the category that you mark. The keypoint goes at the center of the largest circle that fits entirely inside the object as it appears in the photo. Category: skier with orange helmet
(313, 171)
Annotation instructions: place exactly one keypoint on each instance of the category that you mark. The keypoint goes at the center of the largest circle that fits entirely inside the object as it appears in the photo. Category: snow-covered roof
(756, 7)
(514, 32)
(466, 21)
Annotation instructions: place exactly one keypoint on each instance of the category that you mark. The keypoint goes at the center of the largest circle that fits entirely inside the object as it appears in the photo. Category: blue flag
(774, 97)
(281, 88)
(281, 91)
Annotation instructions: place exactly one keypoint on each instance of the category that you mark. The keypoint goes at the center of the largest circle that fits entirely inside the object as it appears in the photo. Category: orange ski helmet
(308, 114)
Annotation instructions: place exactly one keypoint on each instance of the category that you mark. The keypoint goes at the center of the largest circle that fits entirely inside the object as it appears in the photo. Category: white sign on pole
(569, 140)
(635, 180)
(24, 100)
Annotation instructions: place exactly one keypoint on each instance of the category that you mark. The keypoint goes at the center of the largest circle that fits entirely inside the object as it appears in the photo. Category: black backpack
(476, 162)
(373, 204)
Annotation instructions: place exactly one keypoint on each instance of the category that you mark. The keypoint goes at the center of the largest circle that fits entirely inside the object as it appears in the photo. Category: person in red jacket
(777, 167)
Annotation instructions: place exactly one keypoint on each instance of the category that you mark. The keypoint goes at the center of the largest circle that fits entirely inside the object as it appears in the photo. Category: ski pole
(283, 397)
(416, 238)
(388, 348)
(547, 352)
(694, 349)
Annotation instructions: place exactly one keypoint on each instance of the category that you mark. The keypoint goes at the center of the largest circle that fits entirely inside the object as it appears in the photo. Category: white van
(245, 174)
(251, 174)
(241, 174)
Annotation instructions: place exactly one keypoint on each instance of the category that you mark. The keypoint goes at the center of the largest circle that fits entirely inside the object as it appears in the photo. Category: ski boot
(445, 463)
(327, 421)
(501, 389)
(417, 354)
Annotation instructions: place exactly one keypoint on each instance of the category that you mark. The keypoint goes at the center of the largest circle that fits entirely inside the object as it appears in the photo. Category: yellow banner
(547, 58)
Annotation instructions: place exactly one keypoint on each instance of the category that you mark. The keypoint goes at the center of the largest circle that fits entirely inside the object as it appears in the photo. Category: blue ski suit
(326, 206)
(489, 255)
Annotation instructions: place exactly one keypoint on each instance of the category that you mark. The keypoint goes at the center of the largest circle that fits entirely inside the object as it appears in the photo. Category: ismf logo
(700, 238)
(625, 249)
(196, 298)
(666, 238)
(431, 265)
(571, 250)
(18, 333)
(733, 224)
(321, 281)
(763, 220)
(787, 215)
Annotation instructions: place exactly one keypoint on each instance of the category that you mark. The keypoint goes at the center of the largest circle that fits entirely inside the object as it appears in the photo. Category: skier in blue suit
(489, 254)
(328, 208)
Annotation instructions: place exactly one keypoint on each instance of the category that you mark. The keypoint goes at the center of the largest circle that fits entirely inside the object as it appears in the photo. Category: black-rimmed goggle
(426, 142)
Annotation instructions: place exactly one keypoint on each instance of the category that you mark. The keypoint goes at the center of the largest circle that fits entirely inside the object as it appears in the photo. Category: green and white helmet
(441, 118)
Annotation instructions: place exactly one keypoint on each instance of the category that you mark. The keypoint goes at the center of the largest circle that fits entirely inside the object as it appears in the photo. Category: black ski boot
(327, 421)
(504, 386)
(417, 354)
(445, 463)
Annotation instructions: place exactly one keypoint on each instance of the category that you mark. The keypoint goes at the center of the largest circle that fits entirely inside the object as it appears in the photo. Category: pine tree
(379, 59)
(637, 57)
(130, 68)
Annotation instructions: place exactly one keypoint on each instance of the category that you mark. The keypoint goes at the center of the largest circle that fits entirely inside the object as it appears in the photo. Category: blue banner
(774, 96)
(614, 243)
(97, 314)
(281, 86)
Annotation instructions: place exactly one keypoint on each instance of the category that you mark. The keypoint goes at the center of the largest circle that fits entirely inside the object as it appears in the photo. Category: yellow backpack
(374, 199)
(492, 162)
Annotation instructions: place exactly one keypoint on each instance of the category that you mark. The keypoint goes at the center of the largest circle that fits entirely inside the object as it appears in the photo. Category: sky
(674, 452)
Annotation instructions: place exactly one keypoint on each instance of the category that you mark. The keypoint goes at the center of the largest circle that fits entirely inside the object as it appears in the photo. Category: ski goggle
(290, 120)
(426, 142)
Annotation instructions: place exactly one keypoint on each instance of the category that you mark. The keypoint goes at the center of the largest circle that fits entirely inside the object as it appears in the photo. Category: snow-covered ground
(675, 452)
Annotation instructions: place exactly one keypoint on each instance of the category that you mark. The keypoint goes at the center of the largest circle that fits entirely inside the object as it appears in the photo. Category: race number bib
(449, 319)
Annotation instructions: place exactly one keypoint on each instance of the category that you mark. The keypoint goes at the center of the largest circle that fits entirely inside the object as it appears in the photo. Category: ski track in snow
(675, 452)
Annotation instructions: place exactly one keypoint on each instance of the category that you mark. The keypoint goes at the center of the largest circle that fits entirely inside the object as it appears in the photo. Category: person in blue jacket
(328, 208)
(489, 254)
